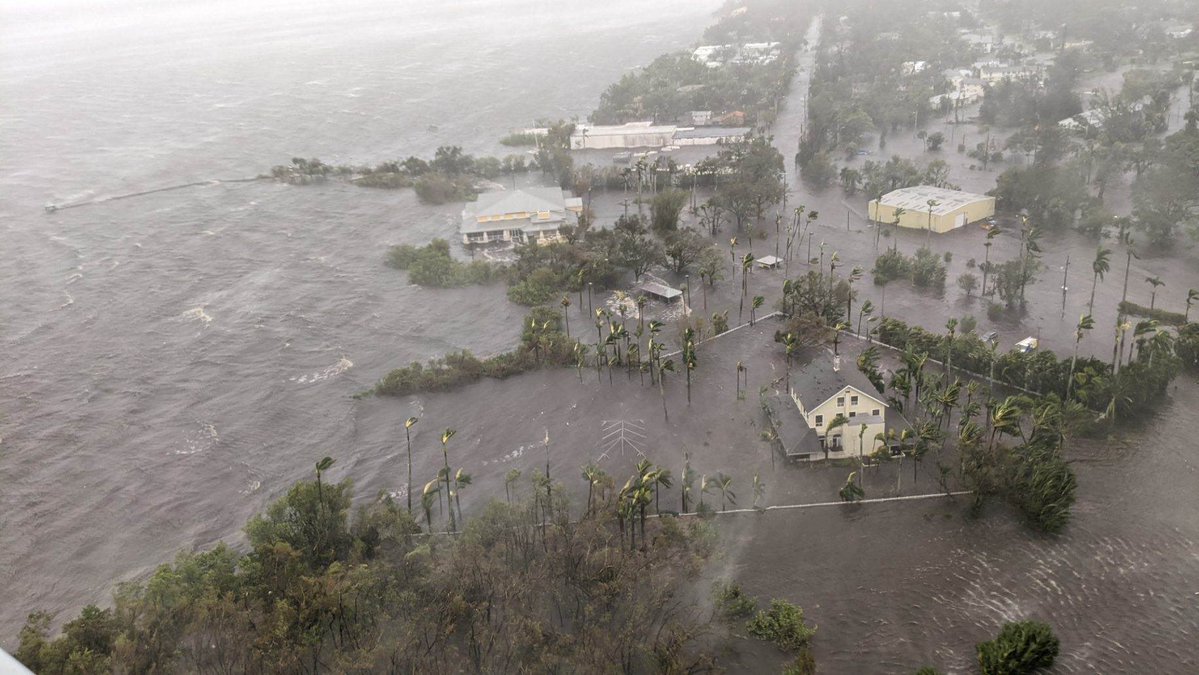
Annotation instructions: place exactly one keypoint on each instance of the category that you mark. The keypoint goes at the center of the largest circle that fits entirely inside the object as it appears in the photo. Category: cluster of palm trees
(444, 490)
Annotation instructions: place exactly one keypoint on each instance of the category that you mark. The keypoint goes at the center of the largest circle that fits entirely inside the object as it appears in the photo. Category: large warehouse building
(951, 209)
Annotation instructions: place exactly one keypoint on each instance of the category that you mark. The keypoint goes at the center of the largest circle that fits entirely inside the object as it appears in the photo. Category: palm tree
(1085, 323)
(899, 211)
(566, 313)
(432, 490)
(837, 329)
(861, 444)
(1192, 297)
(725, 485)
(747, 264)
(1156, 282)
(866, 309)
(759, 490)
(687, 482)
(837, 422)
(666, 366)
(1100, 266)
(1005, 419)
(445, 453)
(932, 204)
(991, 234)
(408, 424)
(659, 479)
(321, 467)
(951, 327)
(461, 480)
(757, 303)
(689, 359)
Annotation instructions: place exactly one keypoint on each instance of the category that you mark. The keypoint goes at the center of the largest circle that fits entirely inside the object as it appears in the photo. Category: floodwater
(174, 362)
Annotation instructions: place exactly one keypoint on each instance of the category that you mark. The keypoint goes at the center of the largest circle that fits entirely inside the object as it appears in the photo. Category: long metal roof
(916, 199)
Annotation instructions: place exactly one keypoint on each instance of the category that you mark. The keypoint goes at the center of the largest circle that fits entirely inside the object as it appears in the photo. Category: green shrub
(731, 602)
(518, 139)
(439, 188)
(889, 266)
(538, 288)
(782, 625)
(433, 267)
(928, 270)
(1022, 648)
(1042, 486)
(804, 663)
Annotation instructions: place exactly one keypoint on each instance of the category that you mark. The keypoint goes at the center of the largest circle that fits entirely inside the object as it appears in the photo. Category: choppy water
(171, 362)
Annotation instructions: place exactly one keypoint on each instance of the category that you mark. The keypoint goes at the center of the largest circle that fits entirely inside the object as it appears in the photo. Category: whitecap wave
(515, 454)
(200, 440)
(74, 277)
(199, 314)
(334, 370)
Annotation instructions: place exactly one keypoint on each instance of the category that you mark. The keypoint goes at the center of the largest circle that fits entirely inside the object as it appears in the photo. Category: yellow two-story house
(533, 214)
(831, 411)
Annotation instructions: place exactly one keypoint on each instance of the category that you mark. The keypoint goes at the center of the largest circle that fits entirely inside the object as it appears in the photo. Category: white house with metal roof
(527, 215)
(925, 207)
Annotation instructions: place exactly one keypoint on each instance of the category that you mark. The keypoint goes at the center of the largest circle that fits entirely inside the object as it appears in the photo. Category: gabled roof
(793, 432)
(660, 290)
(816, 381)
(527, 200)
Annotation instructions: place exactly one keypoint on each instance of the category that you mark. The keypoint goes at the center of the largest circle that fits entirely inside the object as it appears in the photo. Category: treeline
(858, 87)
(542, 342)
(450, 175)
(1129, 387)
(325, 588)
(750, 92)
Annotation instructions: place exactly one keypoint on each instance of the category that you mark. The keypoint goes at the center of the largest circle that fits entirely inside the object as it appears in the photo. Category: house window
(820, 420)
(840, 401)
(874, 412)
(853, 414)
(853, 400)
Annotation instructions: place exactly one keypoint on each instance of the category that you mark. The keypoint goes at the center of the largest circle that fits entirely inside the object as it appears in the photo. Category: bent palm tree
(1100, 267)
(445, 453)
(1085, 323)
(432, 491)
(408, 424)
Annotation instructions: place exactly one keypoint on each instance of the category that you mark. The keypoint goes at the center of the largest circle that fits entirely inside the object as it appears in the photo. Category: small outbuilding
(660, 291)
(925, 207)
(769, 262)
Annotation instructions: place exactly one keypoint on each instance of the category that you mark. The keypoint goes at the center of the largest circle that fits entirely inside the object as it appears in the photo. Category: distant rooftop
(623, 129)
(709, 132)
(917, 198)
